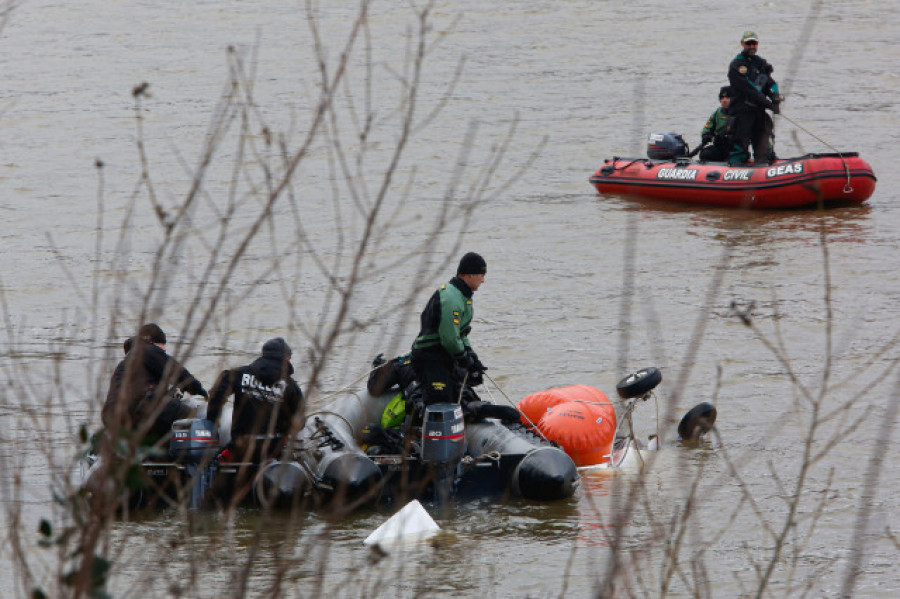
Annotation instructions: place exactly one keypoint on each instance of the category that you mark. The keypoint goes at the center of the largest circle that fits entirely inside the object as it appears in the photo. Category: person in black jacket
(267, 402)
(389, 375)
(145, 388)
(754, 91)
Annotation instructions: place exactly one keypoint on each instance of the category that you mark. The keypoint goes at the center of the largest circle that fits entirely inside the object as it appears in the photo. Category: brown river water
(580, 288)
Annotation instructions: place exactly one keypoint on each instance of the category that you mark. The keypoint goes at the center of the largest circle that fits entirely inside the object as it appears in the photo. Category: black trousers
(174, 410)
(435, 373)
(751, 127)
(716, 152)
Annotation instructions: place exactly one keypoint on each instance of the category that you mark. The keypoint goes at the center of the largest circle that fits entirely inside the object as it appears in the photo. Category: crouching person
(717, 134)
(396, 377)
(267, 400)
(145, 390)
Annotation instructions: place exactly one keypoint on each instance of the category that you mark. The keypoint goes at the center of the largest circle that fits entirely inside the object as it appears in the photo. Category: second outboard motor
(443, 433)
(443, 445)
(665, 146)
(195, 444)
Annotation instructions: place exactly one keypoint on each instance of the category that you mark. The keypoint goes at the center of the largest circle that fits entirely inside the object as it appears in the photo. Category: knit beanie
(472, 264)
(276, 348)
(151, 333)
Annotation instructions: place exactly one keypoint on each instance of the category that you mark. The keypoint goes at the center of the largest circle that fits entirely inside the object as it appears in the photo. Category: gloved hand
(475, 379)
(707, 138)
(475, 365)
(776, 103)
(506, 414)
(378, 361)
(472, 410)
(466, 362)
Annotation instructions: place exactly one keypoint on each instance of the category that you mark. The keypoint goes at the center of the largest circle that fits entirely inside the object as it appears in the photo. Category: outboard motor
(195, 444)
(665, 146)
(443, 445)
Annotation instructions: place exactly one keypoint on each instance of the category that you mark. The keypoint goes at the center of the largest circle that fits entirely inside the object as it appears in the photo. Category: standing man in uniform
(754, 91)
(266, 402)
(443, 342)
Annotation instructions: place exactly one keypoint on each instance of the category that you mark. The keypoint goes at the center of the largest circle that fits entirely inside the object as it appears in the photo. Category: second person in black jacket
(266, 401)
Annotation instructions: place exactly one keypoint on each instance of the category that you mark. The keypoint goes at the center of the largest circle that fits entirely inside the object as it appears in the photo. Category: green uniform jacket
(445, 317)
(716, 123)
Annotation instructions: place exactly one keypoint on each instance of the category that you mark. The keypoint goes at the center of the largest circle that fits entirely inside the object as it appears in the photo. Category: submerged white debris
(410, 525)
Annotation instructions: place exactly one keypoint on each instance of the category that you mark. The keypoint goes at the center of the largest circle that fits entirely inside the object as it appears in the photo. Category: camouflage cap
(749, 35)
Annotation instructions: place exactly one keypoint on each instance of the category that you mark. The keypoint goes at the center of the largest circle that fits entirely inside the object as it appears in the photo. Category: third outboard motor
(666, 146)
(443, 445)
(195, 444)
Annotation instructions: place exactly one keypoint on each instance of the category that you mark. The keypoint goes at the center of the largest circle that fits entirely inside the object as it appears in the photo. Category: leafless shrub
(253, 226)
(249, 219)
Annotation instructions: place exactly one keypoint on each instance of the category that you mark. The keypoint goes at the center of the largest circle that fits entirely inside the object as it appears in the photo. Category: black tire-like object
(639, 382)
(280, 484)
(697, 422)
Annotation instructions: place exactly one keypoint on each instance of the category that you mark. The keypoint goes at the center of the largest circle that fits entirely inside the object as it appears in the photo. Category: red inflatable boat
(792, 183)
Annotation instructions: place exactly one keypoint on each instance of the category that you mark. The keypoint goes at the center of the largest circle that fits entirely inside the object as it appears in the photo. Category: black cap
(725, 91)
(151, 333)
(472, 264)
(276, 348)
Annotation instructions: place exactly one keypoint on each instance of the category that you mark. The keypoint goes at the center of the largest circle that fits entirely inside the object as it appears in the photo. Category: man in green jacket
(443, 343)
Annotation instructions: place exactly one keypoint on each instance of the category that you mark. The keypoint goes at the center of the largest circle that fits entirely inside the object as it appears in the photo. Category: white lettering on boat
(784, 169)
(677, 173)
(737, 175)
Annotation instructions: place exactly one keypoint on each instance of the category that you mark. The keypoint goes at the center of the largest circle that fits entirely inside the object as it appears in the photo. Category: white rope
(533, 425)
(847, 187)
(348, 386)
